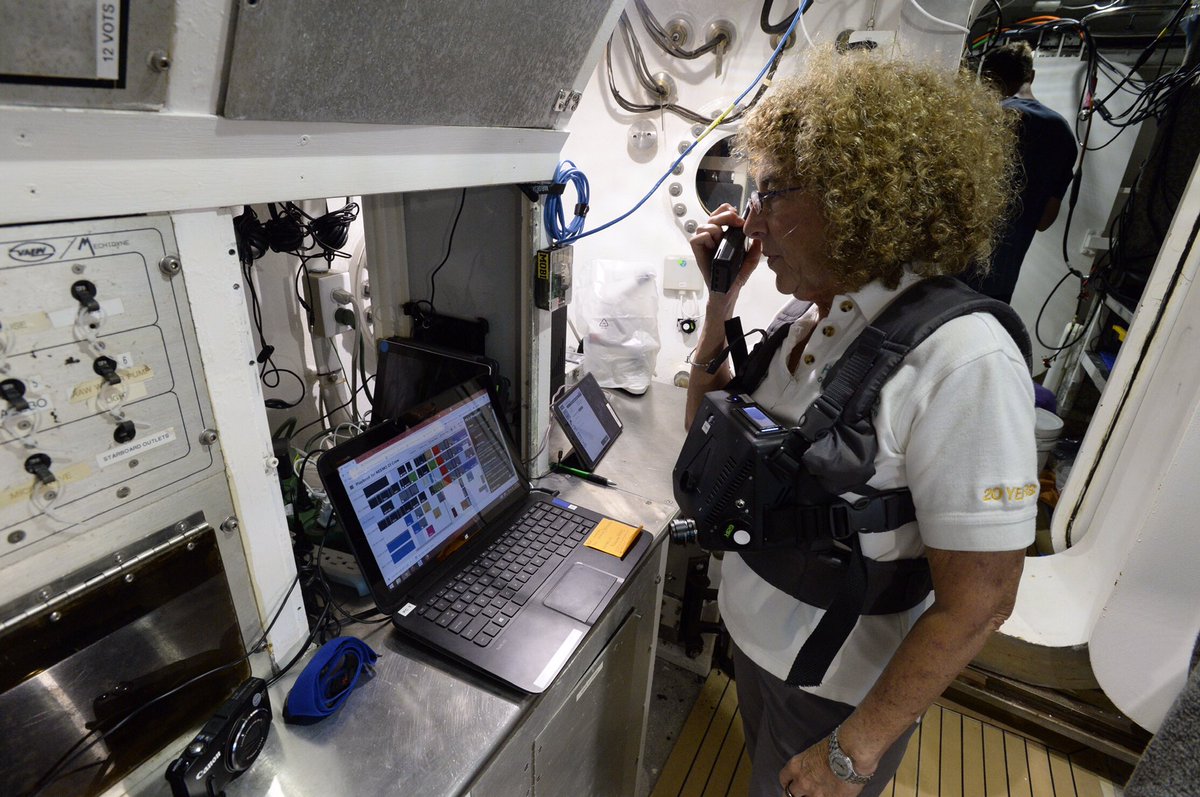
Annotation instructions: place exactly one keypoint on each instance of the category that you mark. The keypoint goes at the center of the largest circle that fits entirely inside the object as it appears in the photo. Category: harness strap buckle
(866, 515)
(819, 418)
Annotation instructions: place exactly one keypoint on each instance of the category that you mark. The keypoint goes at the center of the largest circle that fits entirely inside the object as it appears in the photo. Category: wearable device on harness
(746, 482)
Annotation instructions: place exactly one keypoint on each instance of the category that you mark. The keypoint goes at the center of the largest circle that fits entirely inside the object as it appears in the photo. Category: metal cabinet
(587, 732)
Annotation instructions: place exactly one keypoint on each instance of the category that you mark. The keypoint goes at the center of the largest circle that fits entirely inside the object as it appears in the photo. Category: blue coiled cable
(561, 234)
(552, 213)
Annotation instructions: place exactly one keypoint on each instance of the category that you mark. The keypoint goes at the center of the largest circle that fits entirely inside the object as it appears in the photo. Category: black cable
(268, 370)
(318, 626)
(764, 18)
(462, 201)
(54, 773)
(362, 367)
(659, 35)
(643, 77)
(285, 230)
(303, 269)
(1037, 324)
(328, 414)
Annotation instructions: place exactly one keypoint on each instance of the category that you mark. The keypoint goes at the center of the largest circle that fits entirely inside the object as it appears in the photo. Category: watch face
(840, 766)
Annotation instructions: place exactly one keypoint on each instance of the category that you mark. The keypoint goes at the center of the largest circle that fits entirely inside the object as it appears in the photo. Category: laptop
(461, 553)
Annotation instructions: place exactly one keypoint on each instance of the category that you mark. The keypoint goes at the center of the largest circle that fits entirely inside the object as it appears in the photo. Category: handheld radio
(727, 262)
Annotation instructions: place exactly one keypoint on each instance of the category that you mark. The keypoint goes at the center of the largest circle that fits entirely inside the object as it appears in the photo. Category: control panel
(103, 405)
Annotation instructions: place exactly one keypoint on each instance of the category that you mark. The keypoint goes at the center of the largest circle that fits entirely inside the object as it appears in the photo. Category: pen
(583, 474)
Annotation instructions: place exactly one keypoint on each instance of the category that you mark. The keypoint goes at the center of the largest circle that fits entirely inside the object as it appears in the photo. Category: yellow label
(85, 391)
(74, 473)
(34, 322)
(612, 537)
(1015, 494)
(543, 265)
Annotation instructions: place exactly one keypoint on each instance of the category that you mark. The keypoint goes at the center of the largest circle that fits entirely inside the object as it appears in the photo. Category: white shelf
(65, 163)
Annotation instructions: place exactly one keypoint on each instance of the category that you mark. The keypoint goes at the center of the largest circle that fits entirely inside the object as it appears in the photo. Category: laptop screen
(422, 491)
(410, 374)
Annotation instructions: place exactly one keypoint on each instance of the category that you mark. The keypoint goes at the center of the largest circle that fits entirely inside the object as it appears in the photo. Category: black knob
(12, 391)
(39, 465)
(107, 368)
(124, 432)
(85, 293)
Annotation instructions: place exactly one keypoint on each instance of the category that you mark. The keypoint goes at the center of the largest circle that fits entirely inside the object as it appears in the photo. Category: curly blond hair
(911, 164)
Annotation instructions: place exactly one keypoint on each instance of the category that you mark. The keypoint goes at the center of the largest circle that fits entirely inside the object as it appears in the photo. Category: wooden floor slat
(972, 761)
(1018, 765)
(952, 755)
(929, 769)
(995, 768)
(679, 763)
(727, 760)
(1041, 782)
(905, 782)
(741, 779)
(949, 755)
(1060, 773)
(710, 746)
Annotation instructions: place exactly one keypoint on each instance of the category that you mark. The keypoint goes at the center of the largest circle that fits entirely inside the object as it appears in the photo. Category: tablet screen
(588, 421)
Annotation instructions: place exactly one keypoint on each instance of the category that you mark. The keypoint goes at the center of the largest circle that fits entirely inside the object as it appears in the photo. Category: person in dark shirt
(1046, 147)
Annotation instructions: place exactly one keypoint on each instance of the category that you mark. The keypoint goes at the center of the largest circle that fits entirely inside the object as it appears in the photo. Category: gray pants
(781, 721)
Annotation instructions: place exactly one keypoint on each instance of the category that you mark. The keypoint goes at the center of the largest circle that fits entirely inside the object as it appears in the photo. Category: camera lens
(248, 739)
(682, 531)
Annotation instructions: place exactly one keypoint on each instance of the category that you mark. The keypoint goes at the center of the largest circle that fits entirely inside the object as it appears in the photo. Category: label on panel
(103, 404)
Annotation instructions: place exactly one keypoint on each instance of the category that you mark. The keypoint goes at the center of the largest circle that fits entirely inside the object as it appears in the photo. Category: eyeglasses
(758, 198)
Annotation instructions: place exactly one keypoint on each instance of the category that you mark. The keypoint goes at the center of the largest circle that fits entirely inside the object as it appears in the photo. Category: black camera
(227, 744)
(730, 473)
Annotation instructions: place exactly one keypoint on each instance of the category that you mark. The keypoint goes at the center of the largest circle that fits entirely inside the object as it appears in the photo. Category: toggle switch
(124, 432)
(39, 466)
(107, 368)
(85, 293)
(13, 391)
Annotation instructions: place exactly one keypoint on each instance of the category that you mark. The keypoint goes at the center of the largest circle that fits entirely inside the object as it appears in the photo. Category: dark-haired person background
(1046, 147)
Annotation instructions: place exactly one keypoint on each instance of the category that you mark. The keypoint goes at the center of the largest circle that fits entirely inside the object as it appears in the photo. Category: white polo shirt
(955, 424)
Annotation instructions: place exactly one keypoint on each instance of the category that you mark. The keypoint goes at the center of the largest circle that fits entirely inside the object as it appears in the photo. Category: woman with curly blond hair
(876, 176)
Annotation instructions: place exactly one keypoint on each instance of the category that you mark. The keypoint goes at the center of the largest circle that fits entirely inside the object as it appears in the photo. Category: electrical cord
(546, 435)
(56, 771)
(659, 35)
(462, 201)
(939, 20)
(1152, 100)
(643, 75)
(553, 219)
(329, 414)
(721, 119)
(251, 245)
(764, 18)
(999, 23)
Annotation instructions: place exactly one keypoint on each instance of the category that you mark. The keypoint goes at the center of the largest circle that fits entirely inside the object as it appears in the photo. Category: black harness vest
(833, 451)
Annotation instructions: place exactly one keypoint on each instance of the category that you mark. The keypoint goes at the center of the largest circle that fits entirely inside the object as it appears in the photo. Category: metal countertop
(423, 722)
(641, 459)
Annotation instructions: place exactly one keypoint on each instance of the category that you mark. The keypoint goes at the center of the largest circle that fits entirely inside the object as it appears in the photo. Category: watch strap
(836, 752)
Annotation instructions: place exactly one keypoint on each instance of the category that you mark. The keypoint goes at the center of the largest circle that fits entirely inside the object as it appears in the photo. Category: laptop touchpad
(580, 591)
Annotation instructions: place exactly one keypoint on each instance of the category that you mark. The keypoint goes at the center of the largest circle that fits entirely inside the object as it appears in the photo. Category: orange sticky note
(612, 537)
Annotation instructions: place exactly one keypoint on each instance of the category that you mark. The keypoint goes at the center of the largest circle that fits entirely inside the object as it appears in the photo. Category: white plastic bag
(619, 305)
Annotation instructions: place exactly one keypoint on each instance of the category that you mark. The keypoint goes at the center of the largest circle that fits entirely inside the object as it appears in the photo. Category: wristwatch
(842, 764)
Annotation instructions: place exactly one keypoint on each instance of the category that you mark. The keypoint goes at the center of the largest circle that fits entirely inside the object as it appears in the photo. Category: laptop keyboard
(486, 594)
